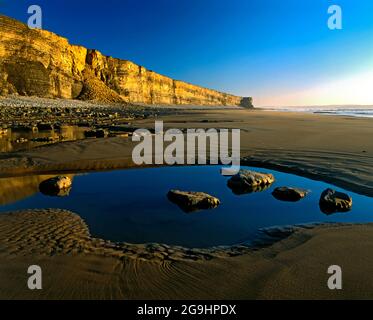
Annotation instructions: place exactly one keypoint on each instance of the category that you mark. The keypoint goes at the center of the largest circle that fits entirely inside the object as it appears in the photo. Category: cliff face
(41, 63)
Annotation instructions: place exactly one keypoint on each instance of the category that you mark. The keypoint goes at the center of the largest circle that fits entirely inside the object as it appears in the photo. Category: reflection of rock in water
(332, 201)
(3, 131)
(99, 133)
(5, 144)
(248, 189)
(190, 201)
(72, 132)
(57, 186)
(289, 194)
(17, 188)
(247, 181)
(55, 192)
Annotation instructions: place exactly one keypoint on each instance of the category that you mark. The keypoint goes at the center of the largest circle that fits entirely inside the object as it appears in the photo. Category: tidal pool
(132, 206)
(15, 140)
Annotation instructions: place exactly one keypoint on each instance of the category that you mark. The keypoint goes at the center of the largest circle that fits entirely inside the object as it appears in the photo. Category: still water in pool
(132, 205)
(15, 140)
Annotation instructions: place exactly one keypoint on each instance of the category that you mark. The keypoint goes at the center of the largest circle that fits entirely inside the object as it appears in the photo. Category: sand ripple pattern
(52, 232)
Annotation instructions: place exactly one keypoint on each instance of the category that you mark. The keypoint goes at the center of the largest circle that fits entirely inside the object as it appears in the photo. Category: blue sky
(281, 52)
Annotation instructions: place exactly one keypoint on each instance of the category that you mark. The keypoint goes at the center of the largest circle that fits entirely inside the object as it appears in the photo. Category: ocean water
(351, 111)
(132, 205)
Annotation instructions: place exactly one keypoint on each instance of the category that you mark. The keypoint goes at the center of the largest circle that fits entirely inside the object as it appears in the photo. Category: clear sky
(281, 52)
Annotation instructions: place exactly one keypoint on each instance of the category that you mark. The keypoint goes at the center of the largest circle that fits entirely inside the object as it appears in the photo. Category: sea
(351, 111)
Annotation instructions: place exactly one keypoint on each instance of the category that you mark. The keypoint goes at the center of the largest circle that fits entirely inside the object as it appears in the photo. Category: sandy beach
(338, 150)
(306, 144)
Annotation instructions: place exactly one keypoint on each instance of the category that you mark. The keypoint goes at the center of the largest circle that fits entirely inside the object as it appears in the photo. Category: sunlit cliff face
(43, 64)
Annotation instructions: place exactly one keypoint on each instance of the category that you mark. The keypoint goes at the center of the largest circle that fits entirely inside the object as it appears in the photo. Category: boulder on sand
(246, 181)
(289, 194)
(57, 186)
(332, 201)
(190, 201)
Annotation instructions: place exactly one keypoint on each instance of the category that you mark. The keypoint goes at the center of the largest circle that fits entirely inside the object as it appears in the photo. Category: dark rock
(22, 128)
(100, 133)
(43, 139)
(332, 201)
(289, 194)
(190, 201)
(83, 124)
(45, 126)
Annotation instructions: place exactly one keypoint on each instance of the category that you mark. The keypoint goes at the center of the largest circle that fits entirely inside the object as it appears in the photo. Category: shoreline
(335, 161)
(245, 161)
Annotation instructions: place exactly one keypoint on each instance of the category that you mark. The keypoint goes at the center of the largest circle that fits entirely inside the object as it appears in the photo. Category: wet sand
(75, 266)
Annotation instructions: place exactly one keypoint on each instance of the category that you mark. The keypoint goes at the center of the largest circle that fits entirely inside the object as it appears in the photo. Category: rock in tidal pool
(247, 181)
(58, 186)
(332, 201)
(190, 201)
(289, 194)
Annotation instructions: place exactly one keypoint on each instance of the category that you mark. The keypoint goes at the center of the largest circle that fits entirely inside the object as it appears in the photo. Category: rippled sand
(77, 266)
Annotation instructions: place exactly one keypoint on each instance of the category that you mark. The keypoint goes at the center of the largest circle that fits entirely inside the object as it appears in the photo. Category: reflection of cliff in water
(16, 140)
(5, 144)
(17, 188)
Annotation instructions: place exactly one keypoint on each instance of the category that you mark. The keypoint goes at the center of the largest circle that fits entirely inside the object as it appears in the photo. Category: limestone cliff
(41, 63)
